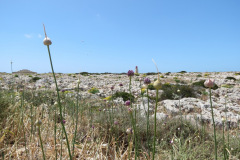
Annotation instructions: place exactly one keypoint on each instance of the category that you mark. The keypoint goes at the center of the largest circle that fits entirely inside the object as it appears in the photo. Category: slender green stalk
(55, 130)
(155, 125)
(224, 146)
(31, 110)
(75, 133)
(59, 105)
(148, 124)
(22, 107)
(133, 121)
(39, 130)
(214, 127)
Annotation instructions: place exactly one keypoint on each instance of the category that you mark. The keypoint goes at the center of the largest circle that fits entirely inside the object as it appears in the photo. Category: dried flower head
(46, 40)
(157, 84)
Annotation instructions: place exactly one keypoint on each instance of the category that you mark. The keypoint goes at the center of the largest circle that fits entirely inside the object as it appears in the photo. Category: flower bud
(209, 83)
(157, 84)
(47, 41)
(129, 131)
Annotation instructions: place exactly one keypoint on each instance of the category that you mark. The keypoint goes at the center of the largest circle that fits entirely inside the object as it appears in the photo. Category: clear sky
(117, 35)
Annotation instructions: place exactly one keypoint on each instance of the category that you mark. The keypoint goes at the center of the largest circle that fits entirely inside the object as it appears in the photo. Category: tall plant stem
(41, 142)
(155, 125)
(215, 140)
(22, 107)
(59, 105)
(133, 121)
(75, 133)
(148, 124)
(55, 130)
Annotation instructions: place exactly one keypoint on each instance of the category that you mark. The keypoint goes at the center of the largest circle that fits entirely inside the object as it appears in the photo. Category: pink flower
(209, 83)
(128, 103)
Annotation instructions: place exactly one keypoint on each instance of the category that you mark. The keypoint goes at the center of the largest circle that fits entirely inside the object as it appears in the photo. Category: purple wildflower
(116, 122)
(112, 87)
(120, 84)
(147, 81)
(64, 121)
(127, 103)
(130, 73)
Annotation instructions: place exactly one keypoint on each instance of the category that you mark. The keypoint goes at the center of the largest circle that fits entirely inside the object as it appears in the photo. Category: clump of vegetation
(4, 104)
(151, 73)
(126, 96)
(206, 74)
(84, 73)
(170, 91)
(231, 78)
(168, 73)
(93, 90)
(182, 72)
(227, 86)
(199, 75)
(34, 79)
(237, 73)
(150, 86)
(201, 84)
(15, 75)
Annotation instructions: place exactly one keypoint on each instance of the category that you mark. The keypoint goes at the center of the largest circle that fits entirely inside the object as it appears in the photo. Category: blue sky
(117, 35)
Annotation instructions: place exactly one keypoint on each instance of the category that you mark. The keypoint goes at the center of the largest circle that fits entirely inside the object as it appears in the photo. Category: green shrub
(150, 87)
(167, 74)
(84, 73)
(15, 75)
(199, 75)
(30, 76)
(227, 86)
(34, 79)
(93, 90)
(182, 72)
(237, 73)
(206, 74)
(231, 78)
(4, 104)
(151, 73)
(126, 96)
(170, 91)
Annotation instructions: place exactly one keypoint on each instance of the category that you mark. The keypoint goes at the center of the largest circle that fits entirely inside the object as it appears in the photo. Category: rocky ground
(226, 99)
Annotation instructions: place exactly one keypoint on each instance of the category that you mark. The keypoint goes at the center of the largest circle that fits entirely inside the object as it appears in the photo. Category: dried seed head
(157, 84)
(46, 40)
